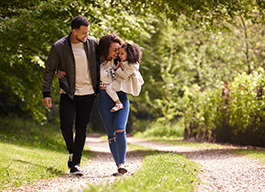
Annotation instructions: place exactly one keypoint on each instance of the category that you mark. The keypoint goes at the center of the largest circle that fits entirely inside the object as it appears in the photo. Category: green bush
(246, 104)
(231, 112)
(201, 110)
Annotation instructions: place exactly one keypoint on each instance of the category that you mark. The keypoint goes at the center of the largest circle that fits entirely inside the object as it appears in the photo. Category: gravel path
(221, 170)
(98, 171)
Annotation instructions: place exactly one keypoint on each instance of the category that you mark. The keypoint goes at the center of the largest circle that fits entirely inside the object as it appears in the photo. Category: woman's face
(114, 51)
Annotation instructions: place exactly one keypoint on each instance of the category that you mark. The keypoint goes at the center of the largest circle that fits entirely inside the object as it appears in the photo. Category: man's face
(123, 54)
(114, 50)
(81, 34)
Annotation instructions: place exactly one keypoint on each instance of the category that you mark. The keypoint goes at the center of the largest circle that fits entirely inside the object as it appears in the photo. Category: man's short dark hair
(78, 21)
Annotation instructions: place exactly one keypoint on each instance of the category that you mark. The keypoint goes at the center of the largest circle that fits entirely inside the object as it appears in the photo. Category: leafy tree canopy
(200, 9)
(29, 27)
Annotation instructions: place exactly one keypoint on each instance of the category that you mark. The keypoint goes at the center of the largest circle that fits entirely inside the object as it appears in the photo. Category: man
(76, 55)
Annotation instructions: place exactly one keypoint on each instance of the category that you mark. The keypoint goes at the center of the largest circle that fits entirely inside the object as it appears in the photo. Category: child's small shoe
(117, 107)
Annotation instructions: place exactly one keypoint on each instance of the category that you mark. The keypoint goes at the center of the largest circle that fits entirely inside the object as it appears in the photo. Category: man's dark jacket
(61, 57)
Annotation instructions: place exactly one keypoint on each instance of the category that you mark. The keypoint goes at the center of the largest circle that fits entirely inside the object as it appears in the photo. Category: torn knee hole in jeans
(112, 139)
(119, 131)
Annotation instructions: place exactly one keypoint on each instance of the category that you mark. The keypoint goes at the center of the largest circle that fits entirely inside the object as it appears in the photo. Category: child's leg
(112, 93)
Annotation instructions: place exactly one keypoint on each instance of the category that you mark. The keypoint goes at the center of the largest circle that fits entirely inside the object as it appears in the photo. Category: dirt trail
(99, 170)
(221, 170)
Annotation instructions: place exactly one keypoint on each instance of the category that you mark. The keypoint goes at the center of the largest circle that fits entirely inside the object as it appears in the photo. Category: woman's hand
(61, 74)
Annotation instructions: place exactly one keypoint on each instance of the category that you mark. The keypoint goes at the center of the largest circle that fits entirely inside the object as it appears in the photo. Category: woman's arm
(61, 74)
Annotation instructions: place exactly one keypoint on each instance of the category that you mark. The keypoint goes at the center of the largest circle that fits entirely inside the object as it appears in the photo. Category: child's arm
(118, 65)
(127, 71)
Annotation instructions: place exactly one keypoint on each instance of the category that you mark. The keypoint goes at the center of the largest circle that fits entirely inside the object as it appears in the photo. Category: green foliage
(181, 41)
(28, 30)
(162, 129)
(208, 14)
(116, 17)
(201, 110)
(28, 33)
(172, 172)
(181, 58)
(246, 100)
(139, 125)
(234, 110)
(186, 78)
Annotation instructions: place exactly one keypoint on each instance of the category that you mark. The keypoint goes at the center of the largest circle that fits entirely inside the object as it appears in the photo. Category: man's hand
(61, 74)
(47, 102)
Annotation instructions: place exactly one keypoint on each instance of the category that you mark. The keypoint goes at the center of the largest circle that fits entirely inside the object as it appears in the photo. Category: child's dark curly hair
(133, 51)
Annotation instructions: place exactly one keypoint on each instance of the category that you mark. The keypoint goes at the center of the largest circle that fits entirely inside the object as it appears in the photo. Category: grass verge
(161, 171)
(24, 165)
(29, 152)
(180, 142)
(252, 153)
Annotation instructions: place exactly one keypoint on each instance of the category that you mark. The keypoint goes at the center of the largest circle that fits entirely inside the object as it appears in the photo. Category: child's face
(123, 54)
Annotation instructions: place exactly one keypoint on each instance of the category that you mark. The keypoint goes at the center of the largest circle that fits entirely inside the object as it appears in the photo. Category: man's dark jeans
(79, 109)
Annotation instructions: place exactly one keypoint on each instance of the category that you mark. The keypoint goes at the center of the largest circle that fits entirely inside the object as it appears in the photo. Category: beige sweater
(128, 79)
(83, 83)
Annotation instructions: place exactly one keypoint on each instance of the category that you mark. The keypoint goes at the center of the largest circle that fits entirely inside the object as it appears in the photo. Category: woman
(114, 123)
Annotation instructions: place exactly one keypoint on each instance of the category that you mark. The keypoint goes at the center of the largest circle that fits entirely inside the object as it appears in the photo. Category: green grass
(179, 141)
(252, 153)
(161, 171)
(104, 137)
(139, 148)
(29, 152)
(29, 133)
(171, 133)
(23, 165)
(161, 129)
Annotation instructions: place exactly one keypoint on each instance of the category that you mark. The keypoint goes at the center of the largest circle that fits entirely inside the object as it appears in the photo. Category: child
(128, 78)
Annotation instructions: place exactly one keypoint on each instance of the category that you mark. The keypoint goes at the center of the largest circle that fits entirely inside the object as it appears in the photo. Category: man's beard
(78, 39)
